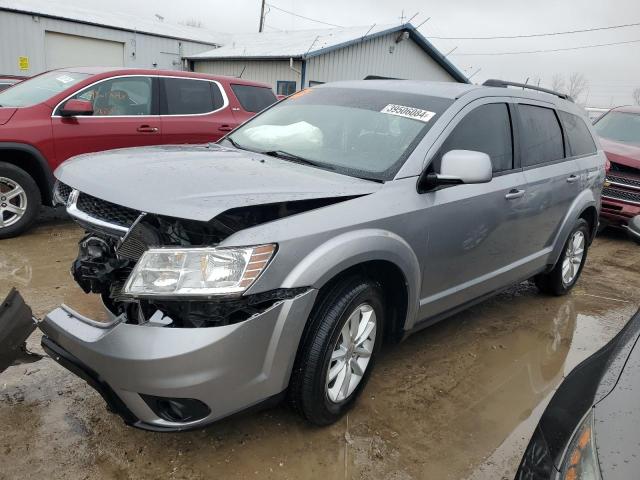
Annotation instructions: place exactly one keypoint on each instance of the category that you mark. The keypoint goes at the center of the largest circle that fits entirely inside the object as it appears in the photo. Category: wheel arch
(29, 159)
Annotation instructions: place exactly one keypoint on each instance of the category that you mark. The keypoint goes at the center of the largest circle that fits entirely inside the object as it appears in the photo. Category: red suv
(619, 132)
(62, 113)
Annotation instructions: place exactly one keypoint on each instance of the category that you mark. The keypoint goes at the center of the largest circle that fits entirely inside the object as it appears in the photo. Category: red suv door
(194, 110)
(125, 114)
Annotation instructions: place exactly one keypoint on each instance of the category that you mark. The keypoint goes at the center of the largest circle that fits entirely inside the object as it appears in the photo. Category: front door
(474, 231)
(124, 115)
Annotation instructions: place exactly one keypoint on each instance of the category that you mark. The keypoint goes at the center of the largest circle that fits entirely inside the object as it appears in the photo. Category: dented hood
(199, 182)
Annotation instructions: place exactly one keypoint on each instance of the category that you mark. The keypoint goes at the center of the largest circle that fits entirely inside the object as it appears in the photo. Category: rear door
(194, 110)
(125, 114)
(251, 99)
(474, 231)
(552, 176)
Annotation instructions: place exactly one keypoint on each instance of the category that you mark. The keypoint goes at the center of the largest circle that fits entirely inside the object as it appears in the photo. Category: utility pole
(261, 26)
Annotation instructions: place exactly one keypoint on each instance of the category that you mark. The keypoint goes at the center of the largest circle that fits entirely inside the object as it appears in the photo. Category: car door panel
(121, 118)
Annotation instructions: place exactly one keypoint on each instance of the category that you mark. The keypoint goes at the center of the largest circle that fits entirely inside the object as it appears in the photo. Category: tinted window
(580, 140)
(285, 87)
(541, 135)
(620, 127)
(485, 129)
(254, 99)
(40, 88)
(119, 96)
(185, 96)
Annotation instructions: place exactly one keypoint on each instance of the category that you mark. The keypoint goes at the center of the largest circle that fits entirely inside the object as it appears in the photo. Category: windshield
(40, 88)
(358, 132)
(620, 126)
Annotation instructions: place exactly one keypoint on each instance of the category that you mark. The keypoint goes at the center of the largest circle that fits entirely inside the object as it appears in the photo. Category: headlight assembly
(197, 271)
(581, 461)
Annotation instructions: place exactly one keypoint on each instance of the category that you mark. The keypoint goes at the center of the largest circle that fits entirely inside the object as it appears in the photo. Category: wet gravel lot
(455, 401)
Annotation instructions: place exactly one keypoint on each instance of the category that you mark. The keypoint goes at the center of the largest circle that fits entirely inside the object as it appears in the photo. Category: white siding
(267, 71)
(373, 57)
(24, 35)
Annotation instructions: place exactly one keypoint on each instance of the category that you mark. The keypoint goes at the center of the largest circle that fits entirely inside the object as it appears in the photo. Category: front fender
(583, 201)
(352, 248)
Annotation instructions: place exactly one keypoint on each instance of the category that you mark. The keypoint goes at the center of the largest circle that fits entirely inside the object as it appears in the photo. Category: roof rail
(505, 83)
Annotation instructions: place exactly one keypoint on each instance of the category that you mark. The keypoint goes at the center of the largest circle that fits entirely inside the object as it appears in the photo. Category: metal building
(293, 60)
(39, 35)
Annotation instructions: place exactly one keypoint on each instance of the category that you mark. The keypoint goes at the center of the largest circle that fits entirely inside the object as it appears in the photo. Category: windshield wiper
(296, 158)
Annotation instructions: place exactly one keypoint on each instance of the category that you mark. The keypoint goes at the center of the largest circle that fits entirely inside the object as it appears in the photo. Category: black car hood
(199, 182)
(617, 424)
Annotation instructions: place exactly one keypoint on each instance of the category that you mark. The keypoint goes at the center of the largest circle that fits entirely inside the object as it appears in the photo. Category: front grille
(629, 181)
(62, 192)
(623, 195)
(107, 211)
(618, 167)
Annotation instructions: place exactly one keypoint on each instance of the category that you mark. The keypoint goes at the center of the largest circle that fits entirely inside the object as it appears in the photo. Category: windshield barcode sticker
(408, 112)
(64, 79)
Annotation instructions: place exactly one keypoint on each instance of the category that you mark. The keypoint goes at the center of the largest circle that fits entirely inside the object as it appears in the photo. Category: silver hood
(199, 182)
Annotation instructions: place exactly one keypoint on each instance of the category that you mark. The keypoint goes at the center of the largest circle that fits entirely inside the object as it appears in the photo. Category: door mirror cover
(465, 166)
(76, 107)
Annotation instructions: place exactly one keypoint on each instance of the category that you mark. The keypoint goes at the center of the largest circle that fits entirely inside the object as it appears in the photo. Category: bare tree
(192, 22)
(557, 83)
(636, 96)
(576, 85)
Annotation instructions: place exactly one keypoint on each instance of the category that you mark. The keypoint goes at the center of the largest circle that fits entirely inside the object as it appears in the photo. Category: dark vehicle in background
(619, 132)
(591, 428)
(63, 113)
(7, 81)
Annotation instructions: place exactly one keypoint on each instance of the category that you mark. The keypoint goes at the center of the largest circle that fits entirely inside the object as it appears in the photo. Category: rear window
(254, 99)
(541, 135)
(40, 88)
(580, 139)
(186, 96)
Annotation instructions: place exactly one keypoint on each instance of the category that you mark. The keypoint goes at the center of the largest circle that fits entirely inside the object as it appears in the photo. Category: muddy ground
(456, 401)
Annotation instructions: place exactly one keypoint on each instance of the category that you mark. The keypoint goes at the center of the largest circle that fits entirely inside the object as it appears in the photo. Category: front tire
(19, 200)
(567, 270)
(339, 350)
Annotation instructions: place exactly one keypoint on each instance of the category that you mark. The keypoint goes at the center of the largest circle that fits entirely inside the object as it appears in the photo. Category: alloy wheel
(573, 257)
(351, 353)
(13, 202)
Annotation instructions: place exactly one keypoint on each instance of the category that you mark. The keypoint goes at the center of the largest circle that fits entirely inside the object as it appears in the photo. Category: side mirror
(633, 228)
(459, 166)
(76, 107)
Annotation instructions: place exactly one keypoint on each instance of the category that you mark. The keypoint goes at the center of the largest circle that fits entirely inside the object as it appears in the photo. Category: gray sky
(612, 72)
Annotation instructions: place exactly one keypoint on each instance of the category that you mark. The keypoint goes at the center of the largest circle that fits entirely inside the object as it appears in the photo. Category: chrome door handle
(572, 178)
(514, 193)
(147, 129)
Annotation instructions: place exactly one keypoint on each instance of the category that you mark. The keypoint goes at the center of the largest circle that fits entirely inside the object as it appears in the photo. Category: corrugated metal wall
(23, 36)
(380, 56)
(372, 57)
(268, 71)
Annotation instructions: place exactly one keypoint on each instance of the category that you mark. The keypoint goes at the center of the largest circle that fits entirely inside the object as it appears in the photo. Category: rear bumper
(227, 369)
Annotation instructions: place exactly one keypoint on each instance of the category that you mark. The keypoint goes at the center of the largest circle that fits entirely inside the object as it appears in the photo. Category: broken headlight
(198, 271)
(581, 460)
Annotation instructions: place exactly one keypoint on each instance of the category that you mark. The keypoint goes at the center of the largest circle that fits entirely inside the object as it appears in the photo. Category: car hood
(6, 113)
(623, 153)
(617, 423)
(198, 182)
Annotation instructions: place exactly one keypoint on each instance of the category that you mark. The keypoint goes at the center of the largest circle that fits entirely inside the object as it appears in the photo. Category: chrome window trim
(225, 98)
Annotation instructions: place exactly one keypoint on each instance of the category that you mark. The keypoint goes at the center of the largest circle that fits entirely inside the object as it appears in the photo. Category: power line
(302, 16)
(544, 51)
(549, 34)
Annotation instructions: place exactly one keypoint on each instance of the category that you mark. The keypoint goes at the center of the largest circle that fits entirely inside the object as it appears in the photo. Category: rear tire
(567, 270)
(20, 200)
(338, 351)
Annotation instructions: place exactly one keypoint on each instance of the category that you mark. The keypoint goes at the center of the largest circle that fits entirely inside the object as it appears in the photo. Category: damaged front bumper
(170, 379)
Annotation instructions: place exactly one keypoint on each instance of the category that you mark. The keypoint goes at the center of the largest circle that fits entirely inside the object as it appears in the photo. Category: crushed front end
(179, 351)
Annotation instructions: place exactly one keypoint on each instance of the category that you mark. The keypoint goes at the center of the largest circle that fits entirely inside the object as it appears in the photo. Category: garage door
(64, 50)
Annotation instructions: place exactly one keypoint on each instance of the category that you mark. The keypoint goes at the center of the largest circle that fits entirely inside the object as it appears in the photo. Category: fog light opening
(177, 410)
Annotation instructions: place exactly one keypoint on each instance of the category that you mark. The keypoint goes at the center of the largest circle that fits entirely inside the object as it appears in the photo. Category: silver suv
(280, 259)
